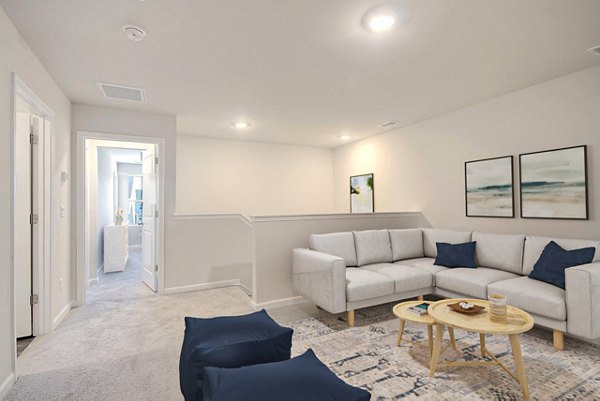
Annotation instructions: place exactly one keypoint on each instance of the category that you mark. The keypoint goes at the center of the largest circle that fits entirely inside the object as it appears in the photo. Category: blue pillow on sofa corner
(303, 378)
(229, 342)
(456, 255)
(554, 260)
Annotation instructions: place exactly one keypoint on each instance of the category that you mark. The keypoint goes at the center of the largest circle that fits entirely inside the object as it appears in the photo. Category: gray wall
(421, 167)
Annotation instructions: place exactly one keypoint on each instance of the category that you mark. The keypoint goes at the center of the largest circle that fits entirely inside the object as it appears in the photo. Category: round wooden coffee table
(517, 322)
(401, 311)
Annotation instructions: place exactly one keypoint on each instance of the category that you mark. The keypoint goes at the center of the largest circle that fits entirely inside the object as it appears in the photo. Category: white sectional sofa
(342, 272)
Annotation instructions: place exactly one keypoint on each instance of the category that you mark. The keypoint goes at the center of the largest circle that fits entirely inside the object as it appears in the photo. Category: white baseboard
(61, 315)
(246, 290)
(203, 286)
(7, 385)
(278, 303)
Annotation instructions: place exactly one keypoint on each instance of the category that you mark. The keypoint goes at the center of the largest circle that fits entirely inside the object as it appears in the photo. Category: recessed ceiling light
(241, 124)
(345, 137)
(134, 32)
(381, 22)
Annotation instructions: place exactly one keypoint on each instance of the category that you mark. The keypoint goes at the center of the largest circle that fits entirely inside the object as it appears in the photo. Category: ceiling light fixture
(241, 125)
(385, 17)
(381, 22)
(134, 32)
(345, 137)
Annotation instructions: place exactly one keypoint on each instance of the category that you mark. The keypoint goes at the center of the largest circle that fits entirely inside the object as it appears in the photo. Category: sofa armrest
(320, 278)
(583, 300)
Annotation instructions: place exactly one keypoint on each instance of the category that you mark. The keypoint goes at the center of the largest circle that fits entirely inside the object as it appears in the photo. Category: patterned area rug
(367, 356)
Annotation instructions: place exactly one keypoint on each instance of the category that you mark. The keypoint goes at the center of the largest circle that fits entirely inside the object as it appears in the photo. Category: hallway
(119, 285)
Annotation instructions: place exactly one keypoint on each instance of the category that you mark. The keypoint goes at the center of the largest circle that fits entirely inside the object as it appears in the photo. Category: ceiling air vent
(122, 92)
(594, 50)
(388, 124)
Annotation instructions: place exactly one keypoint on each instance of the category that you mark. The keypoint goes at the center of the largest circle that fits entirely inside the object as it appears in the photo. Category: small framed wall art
(362, 195)
(554, 184)
(489, 189)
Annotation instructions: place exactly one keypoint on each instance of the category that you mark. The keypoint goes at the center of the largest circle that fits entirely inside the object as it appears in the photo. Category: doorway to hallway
(120, 184)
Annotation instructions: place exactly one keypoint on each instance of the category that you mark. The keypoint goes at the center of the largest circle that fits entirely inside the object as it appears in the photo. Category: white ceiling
(304, 71)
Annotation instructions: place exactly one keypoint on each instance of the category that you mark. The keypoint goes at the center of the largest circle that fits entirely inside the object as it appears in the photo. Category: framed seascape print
(554, 184)
(362, 197)
(489, 188)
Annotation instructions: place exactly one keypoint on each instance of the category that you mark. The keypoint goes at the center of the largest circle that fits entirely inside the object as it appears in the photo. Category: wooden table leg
(452, 338)
(482, 343)
(430, 337)
(400, 332)
(437, 347)
(515, 345)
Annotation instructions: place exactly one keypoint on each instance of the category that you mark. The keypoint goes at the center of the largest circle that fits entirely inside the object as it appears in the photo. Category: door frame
(82, 273)
(43, 198)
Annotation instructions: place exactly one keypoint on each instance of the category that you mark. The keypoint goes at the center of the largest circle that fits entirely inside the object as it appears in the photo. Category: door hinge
(156, 213)
(156, 160)
(34, 139)
(33, 219)
(34, 299)
(155, 268)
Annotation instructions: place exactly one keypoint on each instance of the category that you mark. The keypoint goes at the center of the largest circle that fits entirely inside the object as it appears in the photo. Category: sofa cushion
(533, 296)
(534, 246)
(406, 278)
(406, 244)
(425, 264)
(470, 282)
(431, 236)
(500, 251)
(364, 284)
(550, 267)
(372, 246)
(337, 244)
(228, 342)
(456, 255)
(303, 378)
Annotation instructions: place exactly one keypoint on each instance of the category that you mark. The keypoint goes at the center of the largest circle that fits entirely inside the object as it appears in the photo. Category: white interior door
(150, 274)
(23, 224)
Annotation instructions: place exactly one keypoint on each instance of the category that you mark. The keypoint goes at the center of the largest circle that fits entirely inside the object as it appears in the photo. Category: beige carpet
(124, 345)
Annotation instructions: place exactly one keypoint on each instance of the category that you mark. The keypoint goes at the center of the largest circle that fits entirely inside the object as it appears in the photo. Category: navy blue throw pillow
(229, 342)
(456, 255)
(303, 378)
(550, 267)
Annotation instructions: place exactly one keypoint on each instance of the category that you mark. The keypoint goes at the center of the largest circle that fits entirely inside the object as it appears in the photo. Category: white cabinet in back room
(116, 248)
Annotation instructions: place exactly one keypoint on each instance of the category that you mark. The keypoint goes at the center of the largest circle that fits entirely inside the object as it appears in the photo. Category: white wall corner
(7, 385)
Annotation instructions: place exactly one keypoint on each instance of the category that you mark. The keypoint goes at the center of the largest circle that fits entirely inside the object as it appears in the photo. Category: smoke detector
(594, 50)
(134, 32)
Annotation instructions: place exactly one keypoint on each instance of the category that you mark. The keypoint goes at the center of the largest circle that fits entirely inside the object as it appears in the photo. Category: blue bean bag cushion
(304, 378)
(229, 342)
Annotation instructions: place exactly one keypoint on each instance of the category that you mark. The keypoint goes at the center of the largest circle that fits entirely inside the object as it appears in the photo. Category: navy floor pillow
(303, 378)
(554, 260)
(229, 342)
